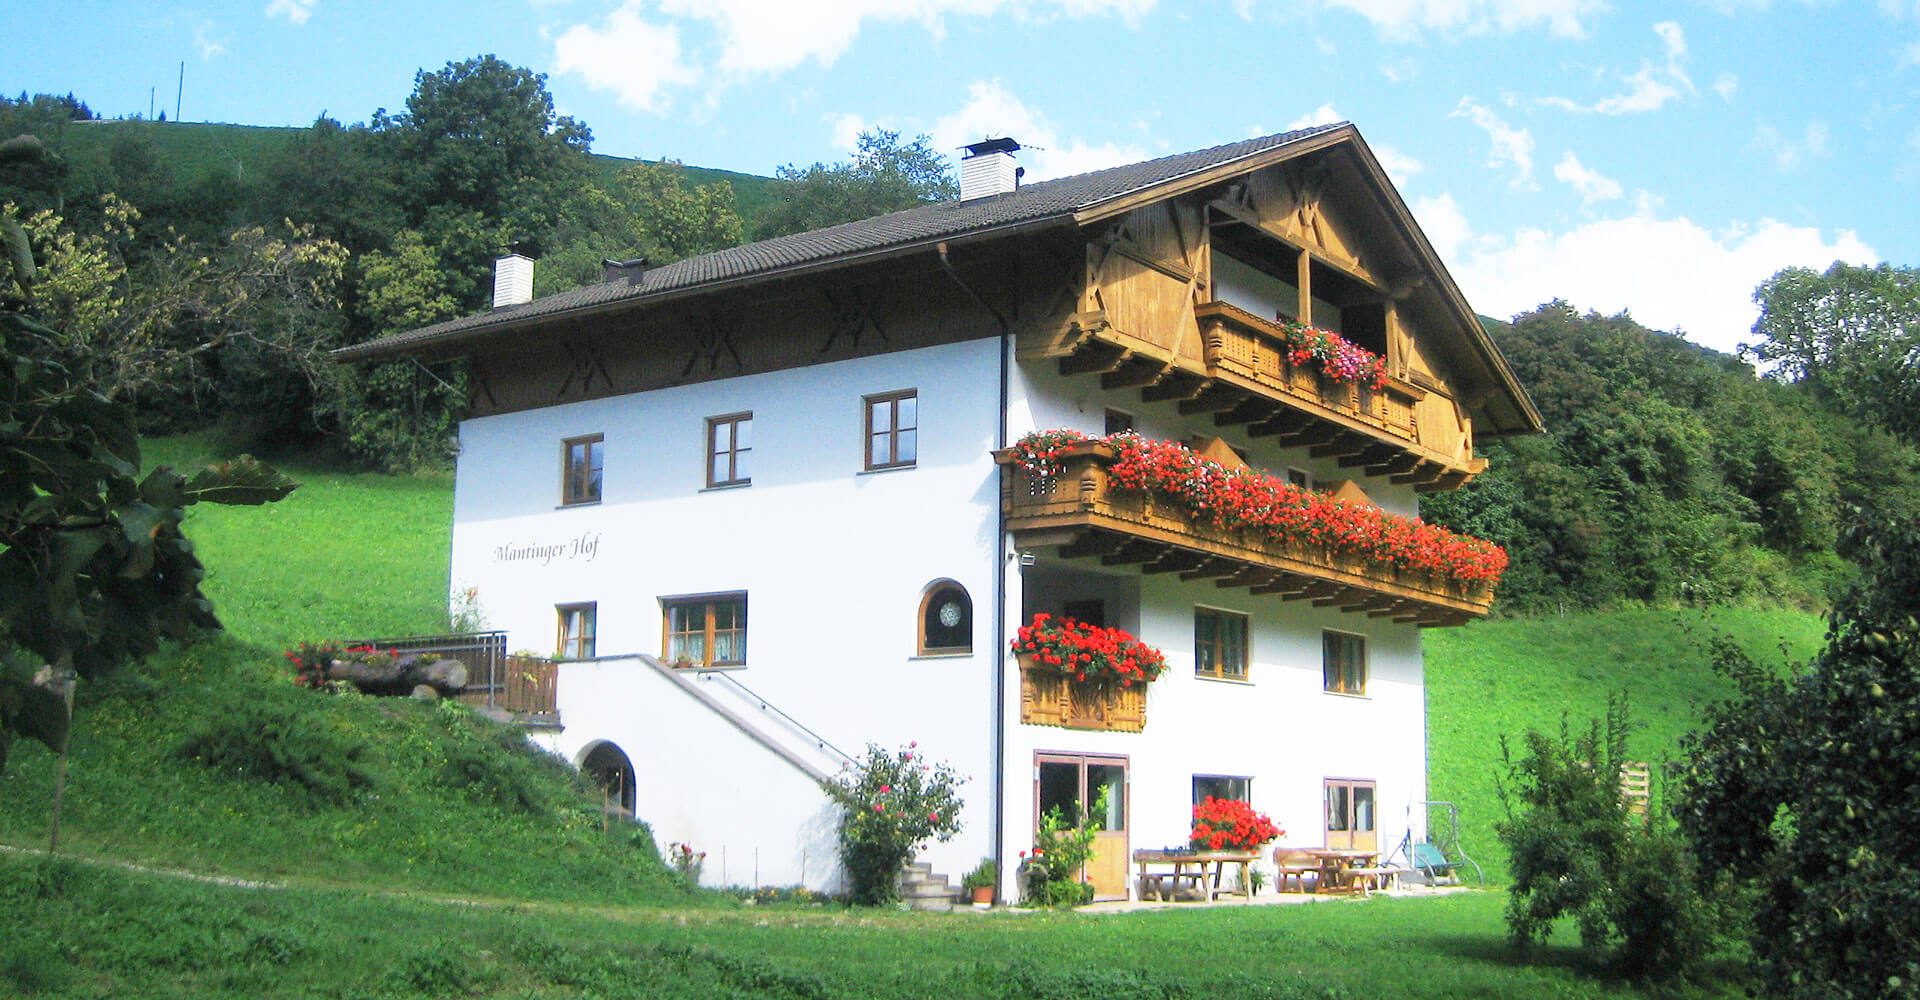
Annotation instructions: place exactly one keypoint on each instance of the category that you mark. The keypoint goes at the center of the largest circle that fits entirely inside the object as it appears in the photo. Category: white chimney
(512, 280)
(988, 169)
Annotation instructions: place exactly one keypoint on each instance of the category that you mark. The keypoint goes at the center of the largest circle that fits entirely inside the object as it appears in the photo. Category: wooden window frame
(1338, 676)
(589, 484)
(733, 451)
(927, 597)
(1245, 625)
(569, 646)
(707, 603)
(892, 431)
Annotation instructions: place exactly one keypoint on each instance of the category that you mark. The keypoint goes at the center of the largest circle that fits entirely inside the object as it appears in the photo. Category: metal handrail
(774, 710)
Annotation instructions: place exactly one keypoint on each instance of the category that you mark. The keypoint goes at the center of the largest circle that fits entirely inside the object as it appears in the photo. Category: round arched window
(946, 620)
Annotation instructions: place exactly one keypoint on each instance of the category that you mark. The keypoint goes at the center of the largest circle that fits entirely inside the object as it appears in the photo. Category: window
(1118, 422)
(1344, 662)
(1221, 786)
(1350, 815)
(1092, 611)
(576, 631)
(580, 481)
(1301, 478)
(1219, 644)
(709, 630)
(946, 620)
(893, 427)
(729, 448)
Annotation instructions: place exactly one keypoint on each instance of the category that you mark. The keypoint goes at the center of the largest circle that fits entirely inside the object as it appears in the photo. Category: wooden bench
(1365, 880)
(1297, 865)
(1158, 881)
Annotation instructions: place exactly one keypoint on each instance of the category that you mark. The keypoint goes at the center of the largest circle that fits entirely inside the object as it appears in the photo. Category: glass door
(1350, 815)
(1075, 782)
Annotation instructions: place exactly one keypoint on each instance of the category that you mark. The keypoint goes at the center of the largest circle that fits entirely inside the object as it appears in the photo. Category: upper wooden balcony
(1081, 515)
(1407, 432)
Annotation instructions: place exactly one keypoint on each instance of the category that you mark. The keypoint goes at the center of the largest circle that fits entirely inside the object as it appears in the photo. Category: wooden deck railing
(522, 686)
(1081, 514)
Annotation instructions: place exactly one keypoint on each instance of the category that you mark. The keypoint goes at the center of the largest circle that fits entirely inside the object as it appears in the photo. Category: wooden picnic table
(1350, 870)
(1191, 866)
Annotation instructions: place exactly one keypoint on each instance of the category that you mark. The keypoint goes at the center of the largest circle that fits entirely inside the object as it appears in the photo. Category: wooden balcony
(1411, 434)
(1078, 514)
(1048, 698)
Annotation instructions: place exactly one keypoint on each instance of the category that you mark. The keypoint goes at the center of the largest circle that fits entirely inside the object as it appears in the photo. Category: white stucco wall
(833, 560)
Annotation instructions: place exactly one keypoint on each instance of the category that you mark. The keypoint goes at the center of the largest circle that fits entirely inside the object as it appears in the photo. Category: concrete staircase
(924, 889)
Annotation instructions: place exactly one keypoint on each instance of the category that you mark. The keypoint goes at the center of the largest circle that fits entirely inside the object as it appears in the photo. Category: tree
(883, 176)
(94, 568)
(1801, 788)
(481, 135)
(1851, 335)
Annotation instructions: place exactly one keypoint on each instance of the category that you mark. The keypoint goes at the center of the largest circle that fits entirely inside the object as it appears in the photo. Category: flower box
(1050, 698)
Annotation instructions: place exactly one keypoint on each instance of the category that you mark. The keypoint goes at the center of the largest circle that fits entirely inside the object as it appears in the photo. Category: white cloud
(846, 131)
(1322, 115)
(1725, 85)
(1909, 55)
(1669, 273)
(1511, 146)
(204, 40)
(637, 60)
(295, 11)
(1399, 166)
(1444, 224)
(1405, 17)
(1789, 154)
(767, 36)
(1592, 185)
(1649, 88)
(992, 110)
(1399, 72)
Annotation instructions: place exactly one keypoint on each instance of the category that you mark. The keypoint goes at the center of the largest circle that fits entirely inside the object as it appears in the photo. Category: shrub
(1578, 852)
(890, 803)
(1055, 871)
(280, 745)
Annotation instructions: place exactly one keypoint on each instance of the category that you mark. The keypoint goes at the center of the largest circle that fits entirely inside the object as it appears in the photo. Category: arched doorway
(609, 768)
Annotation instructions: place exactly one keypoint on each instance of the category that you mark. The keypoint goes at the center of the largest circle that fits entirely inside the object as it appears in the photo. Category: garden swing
(1437, 863)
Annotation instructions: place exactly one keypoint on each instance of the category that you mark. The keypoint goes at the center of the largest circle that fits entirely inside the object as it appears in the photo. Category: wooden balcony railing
(1048, 698)
(1081, 515)
(1408, 433)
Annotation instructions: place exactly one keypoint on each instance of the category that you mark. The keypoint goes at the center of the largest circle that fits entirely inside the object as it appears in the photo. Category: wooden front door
(1074, 782)
(1351, 821)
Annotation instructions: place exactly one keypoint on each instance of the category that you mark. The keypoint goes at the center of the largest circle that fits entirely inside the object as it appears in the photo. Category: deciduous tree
(1850, 334)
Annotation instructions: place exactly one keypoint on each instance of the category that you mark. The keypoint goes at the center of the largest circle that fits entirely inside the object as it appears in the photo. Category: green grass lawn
(208, 759)
(87, 932)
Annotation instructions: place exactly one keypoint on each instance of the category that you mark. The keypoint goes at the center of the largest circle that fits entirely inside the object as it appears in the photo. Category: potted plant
(981, 882)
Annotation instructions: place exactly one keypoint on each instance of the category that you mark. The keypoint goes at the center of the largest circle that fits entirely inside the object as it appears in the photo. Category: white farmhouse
(753, 499)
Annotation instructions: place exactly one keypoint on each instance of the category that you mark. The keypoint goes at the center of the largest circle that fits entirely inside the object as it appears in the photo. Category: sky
(1661, 159)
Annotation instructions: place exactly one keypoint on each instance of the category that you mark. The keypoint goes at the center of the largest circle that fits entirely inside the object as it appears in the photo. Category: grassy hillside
(1504, 677)
(191, 152)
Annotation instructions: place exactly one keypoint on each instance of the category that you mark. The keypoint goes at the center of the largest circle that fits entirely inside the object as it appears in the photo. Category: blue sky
(1657, 158)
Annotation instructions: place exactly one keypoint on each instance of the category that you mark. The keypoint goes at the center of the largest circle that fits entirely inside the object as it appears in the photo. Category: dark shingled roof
(1037, 202)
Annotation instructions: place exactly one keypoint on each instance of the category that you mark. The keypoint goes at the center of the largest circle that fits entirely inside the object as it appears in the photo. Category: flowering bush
(1089, 652)
(890, 802)
(1339, 358)
(310, 660)
(1230, 825)
(1245, 500)
(686, 863)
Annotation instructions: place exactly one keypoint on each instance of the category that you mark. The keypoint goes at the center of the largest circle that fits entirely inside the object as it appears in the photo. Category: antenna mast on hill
(178, 90)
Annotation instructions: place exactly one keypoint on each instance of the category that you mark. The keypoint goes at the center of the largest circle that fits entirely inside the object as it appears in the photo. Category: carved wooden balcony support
(1079, 514)
(1243, 379)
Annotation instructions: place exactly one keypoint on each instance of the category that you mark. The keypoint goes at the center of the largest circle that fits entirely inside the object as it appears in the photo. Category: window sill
(1348, 695)
(578, 503)
(1215, 679)
(910, 466)
(695, 668)
(958, 654)
(723, 487)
